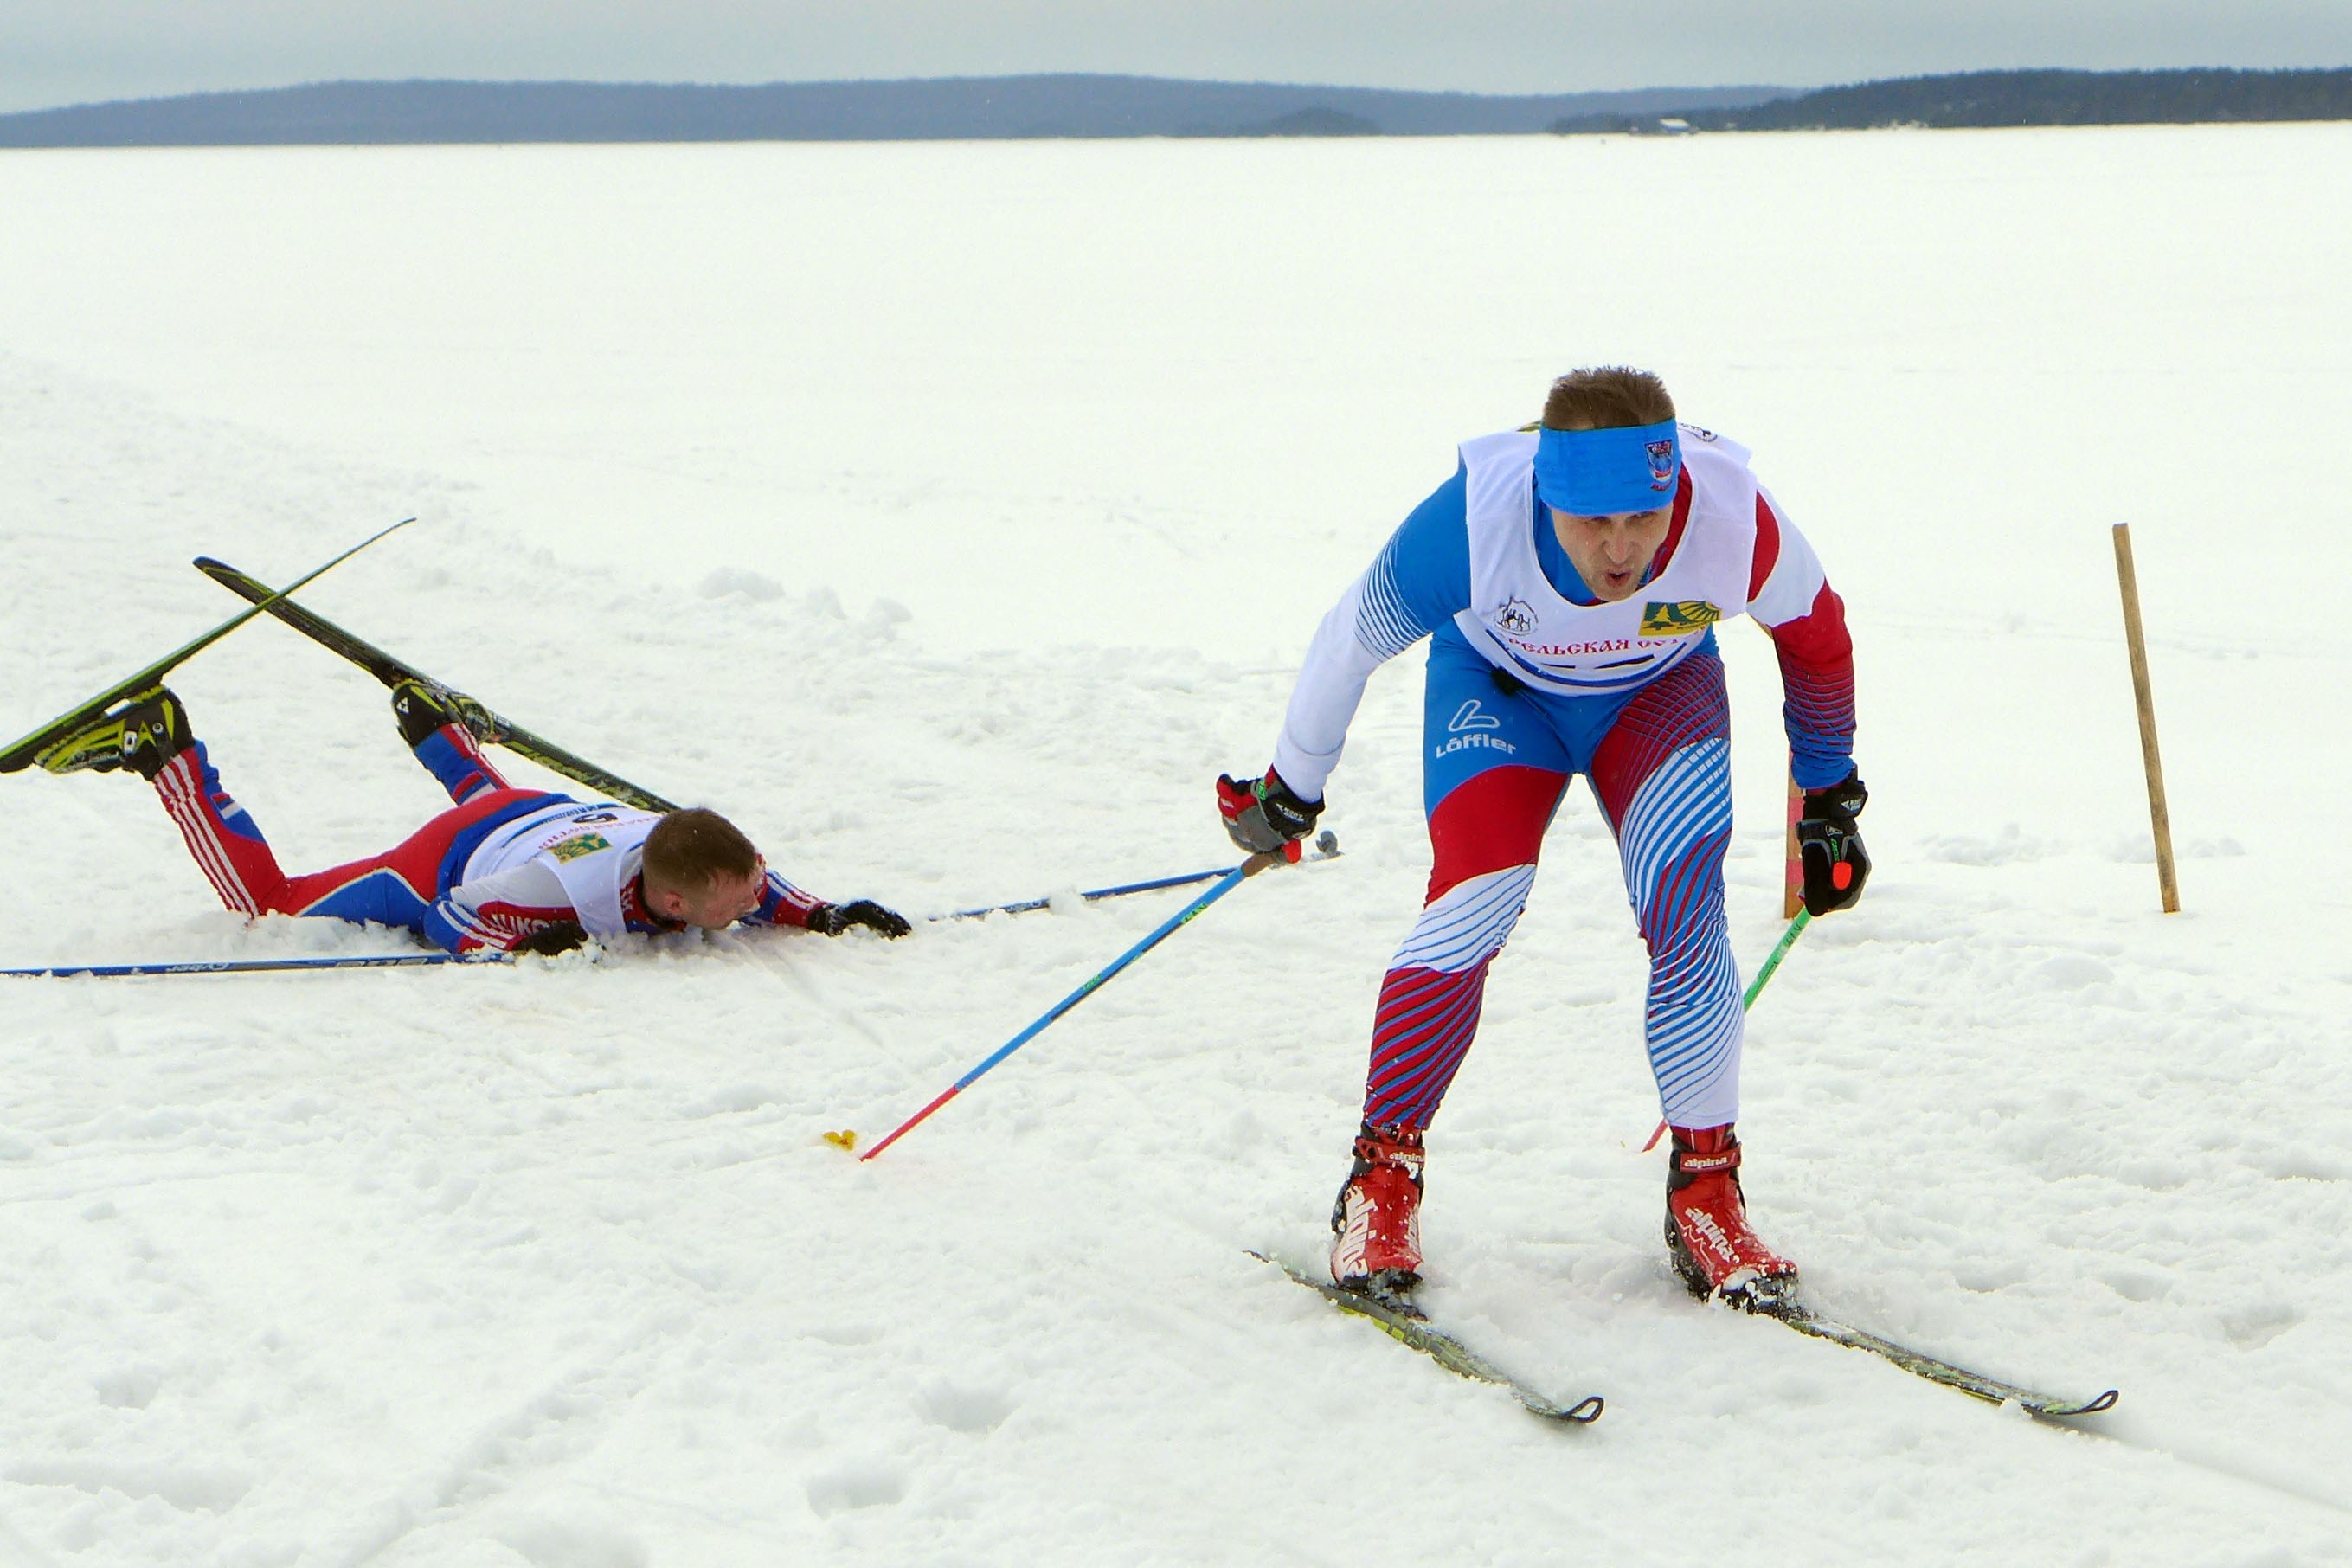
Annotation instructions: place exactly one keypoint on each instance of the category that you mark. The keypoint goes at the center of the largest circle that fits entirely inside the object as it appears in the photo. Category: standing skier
(1570, 576)
(506, 870)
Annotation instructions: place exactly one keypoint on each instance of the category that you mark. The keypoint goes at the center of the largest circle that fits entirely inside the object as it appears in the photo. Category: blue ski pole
(256, 966)
(1326, 845)
(1225, 884)
(1122, 891)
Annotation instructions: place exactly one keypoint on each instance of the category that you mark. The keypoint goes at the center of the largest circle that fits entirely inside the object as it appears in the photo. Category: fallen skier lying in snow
(506, 870)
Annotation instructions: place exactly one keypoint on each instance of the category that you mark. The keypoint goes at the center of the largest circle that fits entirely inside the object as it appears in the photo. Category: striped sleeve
(1791, 597)
(499, 912)
(1419, 581)
(781, 904)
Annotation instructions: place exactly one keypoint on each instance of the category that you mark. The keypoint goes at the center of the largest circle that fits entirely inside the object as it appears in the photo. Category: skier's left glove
(1835, 864)
(548, 941)
(832, 920)
(1262, 813)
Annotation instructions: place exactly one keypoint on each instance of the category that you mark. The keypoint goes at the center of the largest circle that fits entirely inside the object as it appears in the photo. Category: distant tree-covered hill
(2015, 98)
(948, 108)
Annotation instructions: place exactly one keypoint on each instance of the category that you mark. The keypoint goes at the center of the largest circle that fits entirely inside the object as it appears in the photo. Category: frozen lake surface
(951, 514)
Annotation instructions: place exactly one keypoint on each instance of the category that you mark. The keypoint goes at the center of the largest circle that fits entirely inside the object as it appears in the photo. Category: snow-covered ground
(950, 515)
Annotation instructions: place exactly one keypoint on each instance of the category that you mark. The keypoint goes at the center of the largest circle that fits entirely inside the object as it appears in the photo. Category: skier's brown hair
(1607, 397)
(689, 851)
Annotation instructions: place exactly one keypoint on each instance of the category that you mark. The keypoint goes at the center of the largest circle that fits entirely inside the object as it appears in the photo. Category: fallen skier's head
(699, 868)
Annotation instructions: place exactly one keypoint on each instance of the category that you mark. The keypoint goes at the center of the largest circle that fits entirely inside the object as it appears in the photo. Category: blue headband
(1594, 473)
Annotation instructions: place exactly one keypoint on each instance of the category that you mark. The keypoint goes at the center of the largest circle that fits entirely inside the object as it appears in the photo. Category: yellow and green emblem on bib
(578, 843)
(1678, 620)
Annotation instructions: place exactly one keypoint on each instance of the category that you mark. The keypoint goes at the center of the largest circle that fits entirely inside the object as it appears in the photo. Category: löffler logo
(1470, 717)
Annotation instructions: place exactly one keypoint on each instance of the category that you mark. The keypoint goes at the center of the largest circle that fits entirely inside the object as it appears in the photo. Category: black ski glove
(1835, 864)
(1262, 813)
(549, 940)
(832, 920)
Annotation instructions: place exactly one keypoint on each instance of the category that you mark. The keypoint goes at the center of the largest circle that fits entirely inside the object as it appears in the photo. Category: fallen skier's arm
(781, 904)
(522, 909)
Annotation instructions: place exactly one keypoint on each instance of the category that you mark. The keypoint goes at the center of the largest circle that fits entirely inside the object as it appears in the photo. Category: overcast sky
(71, 51)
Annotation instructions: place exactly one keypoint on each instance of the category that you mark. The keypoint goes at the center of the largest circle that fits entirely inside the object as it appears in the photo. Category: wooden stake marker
(2159, 818)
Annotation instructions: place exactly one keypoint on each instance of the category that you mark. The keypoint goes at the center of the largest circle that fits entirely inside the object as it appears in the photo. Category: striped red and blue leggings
(1495, 763)
(396, 887)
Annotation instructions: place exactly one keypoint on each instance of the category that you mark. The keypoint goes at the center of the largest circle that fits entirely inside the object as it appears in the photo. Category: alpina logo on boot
(1703, 1223)
(1348, 1252)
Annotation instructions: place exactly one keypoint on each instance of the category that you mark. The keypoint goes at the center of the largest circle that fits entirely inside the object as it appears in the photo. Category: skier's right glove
(1262, 813)
(1835, 864)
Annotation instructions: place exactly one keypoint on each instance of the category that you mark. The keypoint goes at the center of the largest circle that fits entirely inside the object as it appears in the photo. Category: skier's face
(1612, 553)
(718, 905)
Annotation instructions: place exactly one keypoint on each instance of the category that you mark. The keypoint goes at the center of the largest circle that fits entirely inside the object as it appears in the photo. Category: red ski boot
(1377, 1219)
(1707, 1234)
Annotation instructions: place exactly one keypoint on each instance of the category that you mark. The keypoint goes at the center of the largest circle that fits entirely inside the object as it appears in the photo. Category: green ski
(1404, 1323)
(1991, 1390)
(485, 724)
(35, 747)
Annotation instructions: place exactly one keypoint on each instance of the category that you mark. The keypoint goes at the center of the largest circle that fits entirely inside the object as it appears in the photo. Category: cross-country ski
(485, 726)
(53, 744)
(1806, 1321)
(1410, 1326)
